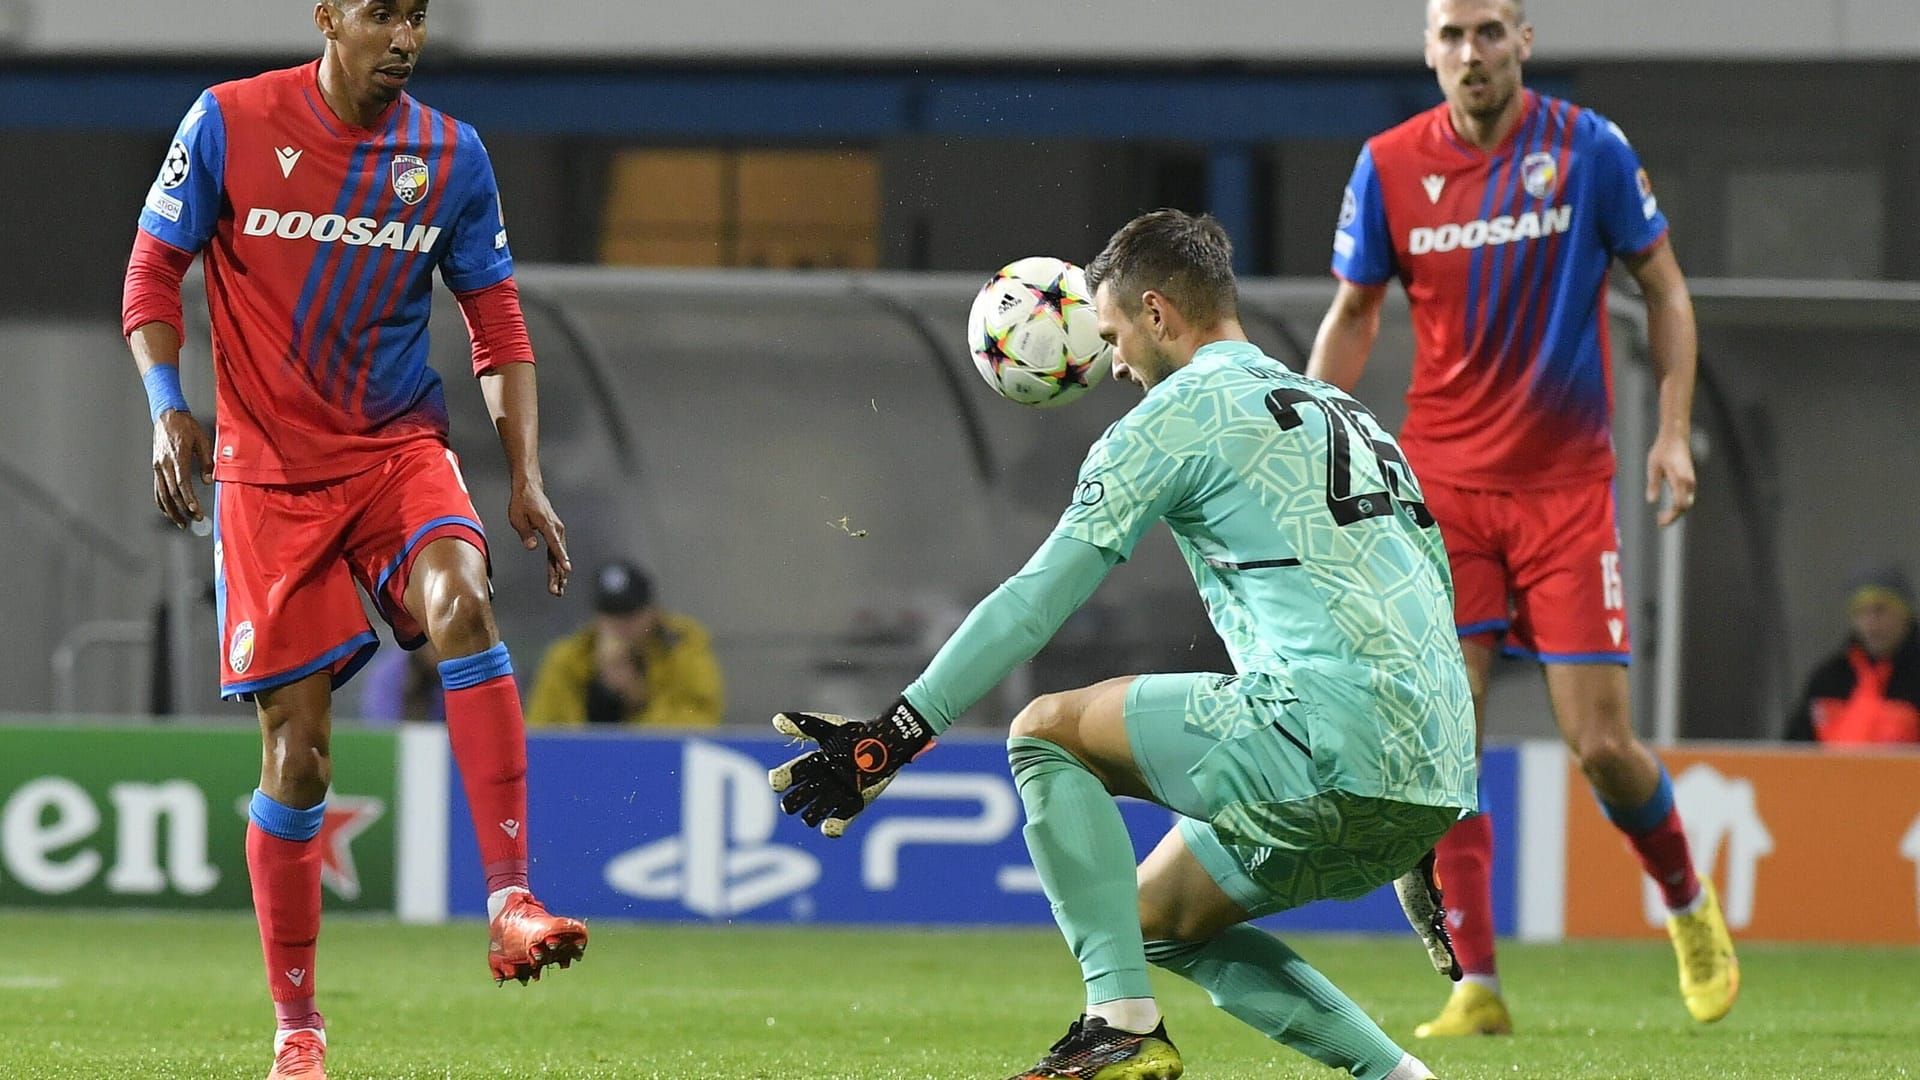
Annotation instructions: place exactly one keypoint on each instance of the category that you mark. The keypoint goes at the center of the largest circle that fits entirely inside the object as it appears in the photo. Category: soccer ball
(1033, 333)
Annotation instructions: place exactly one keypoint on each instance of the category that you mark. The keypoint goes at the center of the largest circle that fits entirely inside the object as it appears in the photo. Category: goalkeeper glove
(855, 762)
(1420, 898)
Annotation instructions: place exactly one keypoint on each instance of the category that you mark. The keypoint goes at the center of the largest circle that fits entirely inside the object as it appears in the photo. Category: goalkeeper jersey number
(1306, 536)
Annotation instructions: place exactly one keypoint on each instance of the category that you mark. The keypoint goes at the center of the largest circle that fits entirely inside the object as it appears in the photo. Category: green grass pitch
(104, 997)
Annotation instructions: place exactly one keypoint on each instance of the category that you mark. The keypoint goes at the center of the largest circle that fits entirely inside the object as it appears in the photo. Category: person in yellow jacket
(635, 664)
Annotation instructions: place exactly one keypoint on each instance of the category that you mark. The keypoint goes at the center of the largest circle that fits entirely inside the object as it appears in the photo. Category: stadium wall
(675, 827)
(872, 417)
(1761, 169)
(987, 29)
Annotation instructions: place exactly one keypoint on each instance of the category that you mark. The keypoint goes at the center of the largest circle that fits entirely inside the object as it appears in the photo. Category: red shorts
(290, 562)
(1541, 567)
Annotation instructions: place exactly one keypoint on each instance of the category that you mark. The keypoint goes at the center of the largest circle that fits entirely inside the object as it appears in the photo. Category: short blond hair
(1517, 8)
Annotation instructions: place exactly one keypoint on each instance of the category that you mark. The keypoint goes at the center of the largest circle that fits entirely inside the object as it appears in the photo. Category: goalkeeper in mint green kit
(1329, 762)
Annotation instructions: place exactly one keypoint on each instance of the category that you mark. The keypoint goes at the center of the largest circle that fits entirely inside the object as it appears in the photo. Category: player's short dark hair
(1185, 257)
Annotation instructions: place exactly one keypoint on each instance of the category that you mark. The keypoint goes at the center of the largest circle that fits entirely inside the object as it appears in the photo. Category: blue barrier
(681, 827)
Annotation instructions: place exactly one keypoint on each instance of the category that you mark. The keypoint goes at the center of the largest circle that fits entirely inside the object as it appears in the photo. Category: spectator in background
(635, 664)
(1868, 693)
(400, 685)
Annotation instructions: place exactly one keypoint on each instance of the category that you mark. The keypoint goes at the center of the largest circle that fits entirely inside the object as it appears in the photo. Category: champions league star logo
(1538, 174)
(409, 178)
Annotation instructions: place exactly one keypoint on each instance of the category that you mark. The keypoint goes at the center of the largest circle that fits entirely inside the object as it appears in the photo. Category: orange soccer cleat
(525, 938)
(301, 1055)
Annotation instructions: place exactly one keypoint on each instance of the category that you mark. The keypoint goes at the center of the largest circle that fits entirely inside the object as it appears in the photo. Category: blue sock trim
(1645, 817)
(163, 390)
(462, 672)
(278, 819)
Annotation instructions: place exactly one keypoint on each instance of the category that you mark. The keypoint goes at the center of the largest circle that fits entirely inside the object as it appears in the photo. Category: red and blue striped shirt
(1504, 258)
(320, 241)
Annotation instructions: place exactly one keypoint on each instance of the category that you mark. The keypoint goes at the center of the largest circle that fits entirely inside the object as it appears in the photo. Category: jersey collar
(1529, 102)
(338, 128)
(1228, 351)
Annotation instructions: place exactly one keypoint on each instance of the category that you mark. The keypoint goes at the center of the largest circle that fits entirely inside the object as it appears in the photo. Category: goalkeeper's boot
(299, 1055)
(1472, 1010)
(1709, 972)
(525, 938)
(1094, 1050)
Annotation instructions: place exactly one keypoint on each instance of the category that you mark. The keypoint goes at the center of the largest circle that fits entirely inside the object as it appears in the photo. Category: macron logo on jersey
(1486, 232)
(326, 228)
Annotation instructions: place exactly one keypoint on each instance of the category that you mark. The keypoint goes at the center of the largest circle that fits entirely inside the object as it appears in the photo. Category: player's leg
(418, 549)
(283, 862)
(1194, 929)
(1070, 756)
(1464, 857)
(292, 626)
(1590, 704)
(1570, 611)
(448, 588)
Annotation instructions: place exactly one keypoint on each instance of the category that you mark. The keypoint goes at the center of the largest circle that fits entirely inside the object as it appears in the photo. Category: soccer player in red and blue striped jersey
(323, 199)
(1500, 212)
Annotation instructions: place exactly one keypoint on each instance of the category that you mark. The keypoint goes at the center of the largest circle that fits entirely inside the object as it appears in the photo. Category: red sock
(1464, 864)
(286, 903)
(1665, 856)
(490, 745)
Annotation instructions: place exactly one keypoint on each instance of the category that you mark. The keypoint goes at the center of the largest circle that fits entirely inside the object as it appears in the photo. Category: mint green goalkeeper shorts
(1238, 770)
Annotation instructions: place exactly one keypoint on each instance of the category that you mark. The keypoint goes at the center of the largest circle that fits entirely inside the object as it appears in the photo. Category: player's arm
(478, 267)
(179, 215)
(1673, 345)
(513, 401)
(1128, 483)
(857, 760)
(1635, 231)
(1347, 334)
(1363, 261)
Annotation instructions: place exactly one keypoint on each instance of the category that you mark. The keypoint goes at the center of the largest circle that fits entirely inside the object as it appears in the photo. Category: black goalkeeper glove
(855, 762)
(1420, 898)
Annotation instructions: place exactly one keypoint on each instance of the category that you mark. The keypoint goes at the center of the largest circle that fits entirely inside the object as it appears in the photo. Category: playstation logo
(721, 863)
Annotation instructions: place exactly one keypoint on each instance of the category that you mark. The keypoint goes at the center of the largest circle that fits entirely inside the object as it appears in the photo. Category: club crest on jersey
(240, 648)
(1538, 174)
(409, 178)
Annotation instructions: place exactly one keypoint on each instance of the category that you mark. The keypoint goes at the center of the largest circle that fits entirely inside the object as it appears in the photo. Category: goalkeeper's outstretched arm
(856, 760)
(1007, 628)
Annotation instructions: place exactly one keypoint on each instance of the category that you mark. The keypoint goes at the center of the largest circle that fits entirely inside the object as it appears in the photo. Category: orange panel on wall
(1803, 845)
(767, 208)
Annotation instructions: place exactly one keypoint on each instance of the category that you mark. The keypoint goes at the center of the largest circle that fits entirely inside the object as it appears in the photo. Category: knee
(1049, 718)
(1604, 753)
(298, 763)
(459, 618)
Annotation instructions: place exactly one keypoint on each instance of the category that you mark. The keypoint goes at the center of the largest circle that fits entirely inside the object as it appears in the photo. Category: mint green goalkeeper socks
(1256, 978)
(1080, 848)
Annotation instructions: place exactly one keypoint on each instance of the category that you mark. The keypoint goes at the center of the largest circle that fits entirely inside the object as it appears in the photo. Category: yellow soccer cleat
(1709, 972)
(1472, 1010)
(1091, 1050)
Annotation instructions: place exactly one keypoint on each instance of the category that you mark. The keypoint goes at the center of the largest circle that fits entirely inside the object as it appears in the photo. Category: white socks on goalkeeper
(1138, 1015)
(1409, 1068)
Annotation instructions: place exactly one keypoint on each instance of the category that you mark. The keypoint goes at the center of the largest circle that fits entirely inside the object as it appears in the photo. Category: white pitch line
(29, 982)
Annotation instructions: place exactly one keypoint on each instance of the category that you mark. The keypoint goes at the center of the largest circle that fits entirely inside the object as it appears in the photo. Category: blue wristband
(163, 390)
